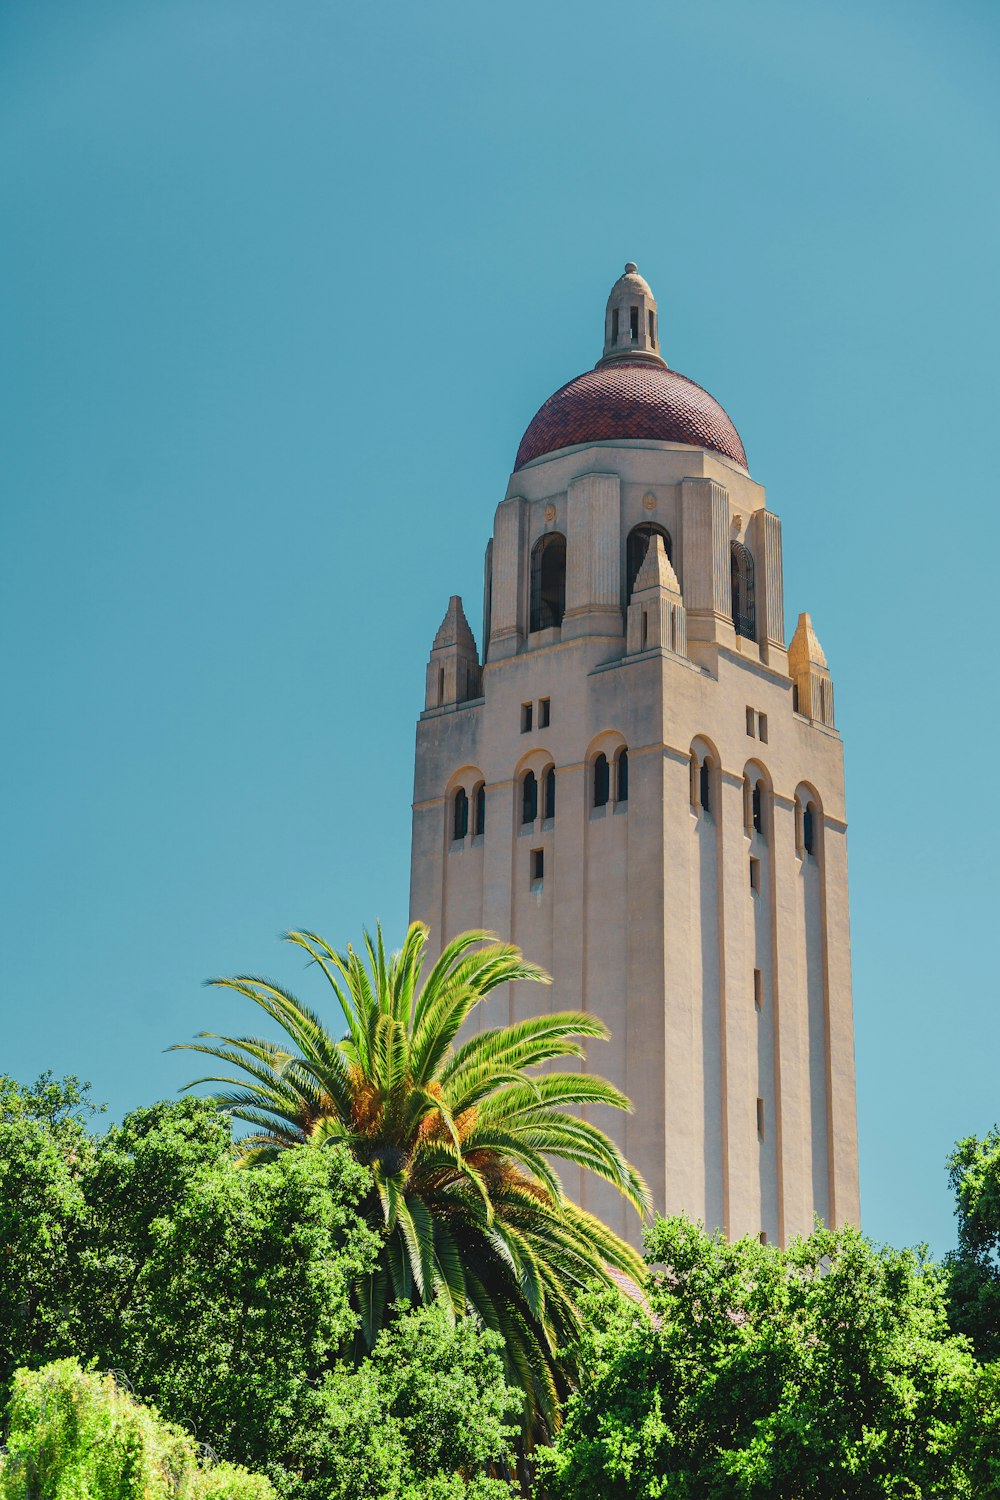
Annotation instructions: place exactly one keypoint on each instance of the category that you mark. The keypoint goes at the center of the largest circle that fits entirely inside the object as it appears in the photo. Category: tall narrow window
(633, 319)
(460, 822)
(762, 728)
(479, 825)
(537, 868)
(758, 811)
(741, 578)
(758, 990)
(621, 790)
(529, 798)
(652, 330)
(635, 551)
(614, 325)
(760, 1119)
(548, 581)
(751, 722)
(544, 713)
(602, 781)
(705, 786)
(550, 792)
(755, 874)
(525, 717)
(809, 828)
(440, 686)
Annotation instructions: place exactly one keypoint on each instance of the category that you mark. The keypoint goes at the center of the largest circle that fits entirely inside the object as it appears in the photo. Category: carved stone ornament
(649, 501)
(550, 512)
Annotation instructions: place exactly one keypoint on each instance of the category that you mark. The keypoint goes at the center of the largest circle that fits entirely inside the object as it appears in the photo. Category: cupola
(631, 321)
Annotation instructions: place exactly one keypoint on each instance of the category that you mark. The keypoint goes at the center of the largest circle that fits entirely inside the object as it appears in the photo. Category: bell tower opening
(548, 581)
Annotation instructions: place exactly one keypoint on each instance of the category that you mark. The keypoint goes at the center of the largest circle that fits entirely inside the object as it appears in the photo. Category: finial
(630, 267)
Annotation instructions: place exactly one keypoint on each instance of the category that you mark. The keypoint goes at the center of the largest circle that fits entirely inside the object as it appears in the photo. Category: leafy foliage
(76, 1435)
(826, 1370)
(428, 1407)
(974, 1292)
(460, 1139)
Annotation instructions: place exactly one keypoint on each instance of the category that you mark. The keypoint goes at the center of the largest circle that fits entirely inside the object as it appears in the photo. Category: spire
(811, 681)
(453, 672)
(656, 570)
(631, 321)
(656, 620)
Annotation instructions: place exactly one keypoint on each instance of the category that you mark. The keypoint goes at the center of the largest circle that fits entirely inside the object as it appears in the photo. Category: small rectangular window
(754, 873)
(762, 728)
(526, 709)
(633, 317)
(758, 990)
(537, 866)
(645, 629)
(544, 716)
(751, 718)
(760, 1119)
(440, 686)
(652, 330)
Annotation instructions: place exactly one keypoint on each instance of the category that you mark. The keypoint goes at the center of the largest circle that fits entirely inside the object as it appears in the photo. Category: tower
(643, 788)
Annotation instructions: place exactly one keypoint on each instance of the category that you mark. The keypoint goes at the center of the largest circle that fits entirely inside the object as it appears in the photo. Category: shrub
(76, 1435)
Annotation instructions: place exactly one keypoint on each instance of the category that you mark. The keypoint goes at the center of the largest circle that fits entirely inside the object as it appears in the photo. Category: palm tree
(460, 1139)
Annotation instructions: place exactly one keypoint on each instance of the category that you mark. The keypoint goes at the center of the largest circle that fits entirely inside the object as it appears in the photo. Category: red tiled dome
(630, 399)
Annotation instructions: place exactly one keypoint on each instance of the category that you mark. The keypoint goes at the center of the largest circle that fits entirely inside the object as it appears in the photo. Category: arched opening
(636, 548)
(809, 828)
(529, 797)
(602, 781)
(550, 793)
(460, 814)
(757, 809)
(742, 581)
(479, 820)
(705, 785)
(621, 777)
(548, 581)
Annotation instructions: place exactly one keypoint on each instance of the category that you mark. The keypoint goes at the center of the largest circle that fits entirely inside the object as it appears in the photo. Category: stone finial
(453, 672)
(811, 680)
(455, 629)
(804, 649)
(656, 570)
(631, 321)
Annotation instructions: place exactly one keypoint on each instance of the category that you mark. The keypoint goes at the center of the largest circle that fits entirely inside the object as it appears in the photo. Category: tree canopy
(824, 1370)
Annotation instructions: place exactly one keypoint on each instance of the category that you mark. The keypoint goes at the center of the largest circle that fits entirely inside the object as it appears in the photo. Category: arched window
(621, 778)
(602, 781)
(550, 792)
(635, 551)
(741, 575)
(460, 821)
(809, 828)
(479, 823)
(548, 581)
(758, 811)
(529, 798)
(705, 785)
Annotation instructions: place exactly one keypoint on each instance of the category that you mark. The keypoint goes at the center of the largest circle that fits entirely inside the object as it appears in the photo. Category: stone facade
(684, 874)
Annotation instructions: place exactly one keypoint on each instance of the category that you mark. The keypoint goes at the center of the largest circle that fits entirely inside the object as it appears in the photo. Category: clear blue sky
(281, 286)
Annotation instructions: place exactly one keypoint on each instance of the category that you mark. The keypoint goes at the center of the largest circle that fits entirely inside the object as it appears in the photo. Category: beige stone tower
(643, 788)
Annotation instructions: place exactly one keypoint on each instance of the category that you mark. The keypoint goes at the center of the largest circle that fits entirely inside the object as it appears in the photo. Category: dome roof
(629, 399)
(632, 392)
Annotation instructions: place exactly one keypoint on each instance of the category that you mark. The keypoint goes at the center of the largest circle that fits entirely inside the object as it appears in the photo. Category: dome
(632, 392)
(630, 400)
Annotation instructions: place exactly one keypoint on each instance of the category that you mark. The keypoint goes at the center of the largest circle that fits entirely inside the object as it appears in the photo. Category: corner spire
(631, 321)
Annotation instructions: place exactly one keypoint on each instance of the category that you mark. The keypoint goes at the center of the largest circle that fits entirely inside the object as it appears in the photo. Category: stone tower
(642, 786)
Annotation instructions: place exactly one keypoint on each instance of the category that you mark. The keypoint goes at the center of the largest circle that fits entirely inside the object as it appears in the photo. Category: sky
(280, 288)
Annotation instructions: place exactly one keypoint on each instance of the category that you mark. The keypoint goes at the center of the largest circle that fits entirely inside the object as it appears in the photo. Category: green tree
(825, 1370)
(221, 1295)
(76, 1435)
(460, 1138)
(429, 1413)
(974, 1286)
